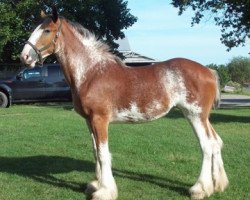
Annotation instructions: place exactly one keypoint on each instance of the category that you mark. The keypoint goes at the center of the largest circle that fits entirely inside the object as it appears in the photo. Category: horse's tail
(218, 96)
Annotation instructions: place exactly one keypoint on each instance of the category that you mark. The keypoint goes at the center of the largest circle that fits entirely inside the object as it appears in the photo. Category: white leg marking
(98, 169)
(95, 184)
(220, 179)
(108, 189)
(204, 185)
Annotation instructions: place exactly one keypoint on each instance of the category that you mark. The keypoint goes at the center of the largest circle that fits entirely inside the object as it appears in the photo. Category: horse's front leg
(94, 185)
(104, 187)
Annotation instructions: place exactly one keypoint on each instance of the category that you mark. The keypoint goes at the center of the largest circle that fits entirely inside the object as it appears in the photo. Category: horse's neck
(78, 55)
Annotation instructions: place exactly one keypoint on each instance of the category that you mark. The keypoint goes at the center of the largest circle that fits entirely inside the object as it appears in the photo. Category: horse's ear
(43, 15)
(54, 14)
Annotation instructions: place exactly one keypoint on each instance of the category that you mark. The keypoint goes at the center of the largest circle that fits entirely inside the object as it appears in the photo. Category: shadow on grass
(175, 113)
(214, 117)
(174, 185)
(55, 105)
(224, 118)
(42, 168)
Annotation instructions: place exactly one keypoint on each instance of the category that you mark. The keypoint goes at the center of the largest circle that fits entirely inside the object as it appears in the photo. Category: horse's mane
(98, 43)
(80, 29)
(89, 35)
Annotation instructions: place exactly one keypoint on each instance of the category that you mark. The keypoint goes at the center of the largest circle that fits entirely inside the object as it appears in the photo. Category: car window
(32, 74)
(54, 71)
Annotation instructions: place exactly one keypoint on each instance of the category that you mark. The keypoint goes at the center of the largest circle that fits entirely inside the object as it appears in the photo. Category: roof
(131, 56)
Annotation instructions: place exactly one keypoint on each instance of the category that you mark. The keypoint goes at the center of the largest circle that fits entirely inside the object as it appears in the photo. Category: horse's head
(43, 40)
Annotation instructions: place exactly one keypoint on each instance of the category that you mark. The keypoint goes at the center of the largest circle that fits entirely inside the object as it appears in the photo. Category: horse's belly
(134, 114)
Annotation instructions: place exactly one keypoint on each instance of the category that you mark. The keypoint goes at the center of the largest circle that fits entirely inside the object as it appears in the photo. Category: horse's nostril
(26, 57)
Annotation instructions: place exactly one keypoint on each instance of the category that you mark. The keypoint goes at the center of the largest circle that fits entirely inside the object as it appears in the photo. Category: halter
(39, 51)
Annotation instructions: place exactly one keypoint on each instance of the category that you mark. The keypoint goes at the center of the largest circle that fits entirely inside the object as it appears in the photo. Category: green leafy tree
(106, 18)
(10, 31)
(223, 73)
(233, 16)
(239, 69)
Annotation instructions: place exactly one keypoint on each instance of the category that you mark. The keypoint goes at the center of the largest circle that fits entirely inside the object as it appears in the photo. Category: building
(132, 58)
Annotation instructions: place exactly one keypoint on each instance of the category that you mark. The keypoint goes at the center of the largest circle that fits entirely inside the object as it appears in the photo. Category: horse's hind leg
(212, 176)
(204, 185)
(219, 176)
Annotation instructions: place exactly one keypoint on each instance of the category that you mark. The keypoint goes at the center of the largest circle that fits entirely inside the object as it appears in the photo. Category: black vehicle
(45, 83)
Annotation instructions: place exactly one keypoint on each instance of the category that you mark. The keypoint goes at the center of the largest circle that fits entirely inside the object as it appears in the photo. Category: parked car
(38, 84)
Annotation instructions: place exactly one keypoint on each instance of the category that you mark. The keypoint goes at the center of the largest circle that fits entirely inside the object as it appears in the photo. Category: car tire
(4, 101)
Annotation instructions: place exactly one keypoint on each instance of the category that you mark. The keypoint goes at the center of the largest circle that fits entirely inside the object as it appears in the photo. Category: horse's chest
(78, 104)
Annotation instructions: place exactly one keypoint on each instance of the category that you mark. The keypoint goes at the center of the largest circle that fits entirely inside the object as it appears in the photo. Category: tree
(233, 16)
(105, 18)
(10, 31)
(239, 69)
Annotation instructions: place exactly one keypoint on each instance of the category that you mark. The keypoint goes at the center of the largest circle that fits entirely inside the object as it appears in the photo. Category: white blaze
(28, 50)
(36, 34)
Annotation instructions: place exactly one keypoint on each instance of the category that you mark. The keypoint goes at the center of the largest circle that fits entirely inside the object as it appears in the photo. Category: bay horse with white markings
(104, 90)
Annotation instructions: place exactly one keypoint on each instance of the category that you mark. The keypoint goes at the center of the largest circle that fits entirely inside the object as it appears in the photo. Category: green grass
(46, 153)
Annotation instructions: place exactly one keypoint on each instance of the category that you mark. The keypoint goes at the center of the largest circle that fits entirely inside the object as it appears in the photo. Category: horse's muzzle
(29, 56)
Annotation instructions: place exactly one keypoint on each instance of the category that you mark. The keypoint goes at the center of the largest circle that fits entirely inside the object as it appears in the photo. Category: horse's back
(184, 65)
(188, 68)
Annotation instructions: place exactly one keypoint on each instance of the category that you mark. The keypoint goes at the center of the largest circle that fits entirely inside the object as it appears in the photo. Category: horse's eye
(46, 31)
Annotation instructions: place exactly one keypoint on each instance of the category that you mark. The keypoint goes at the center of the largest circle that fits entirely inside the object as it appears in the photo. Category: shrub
(239, 69)
(237, 86)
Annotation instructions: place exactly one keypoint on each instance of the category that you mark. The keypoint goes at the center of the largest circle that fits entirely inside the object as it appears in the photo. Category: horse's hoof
(91, 188)
(199, 192)
(105, 194)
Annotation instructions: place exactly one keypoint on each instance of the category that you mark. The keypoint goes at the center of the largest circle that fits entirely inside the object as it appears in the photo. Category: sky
(162, 34)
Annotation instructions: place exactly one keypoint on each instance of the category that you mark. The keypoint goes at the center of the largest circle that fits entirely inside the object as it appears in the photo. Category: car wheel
(3, 100)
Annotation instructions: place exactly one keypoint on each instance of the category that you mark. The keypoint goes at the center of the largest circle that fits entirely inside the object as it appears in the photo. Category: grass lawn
(46, 153)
